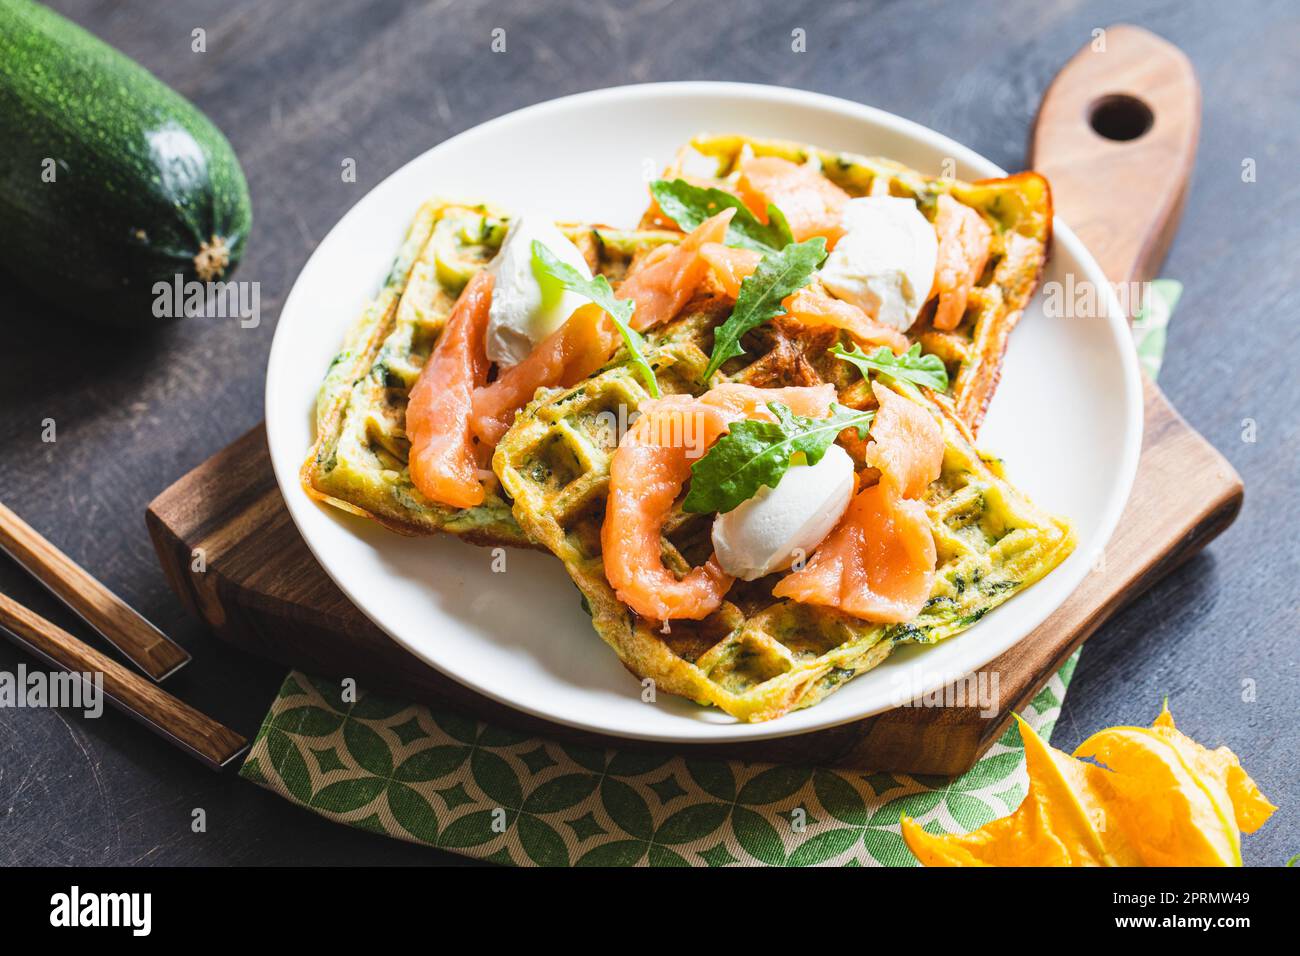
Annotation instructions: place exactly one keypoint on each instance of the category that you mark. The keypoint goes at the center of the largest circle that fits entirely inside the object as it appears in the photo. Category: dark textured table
(298, 86)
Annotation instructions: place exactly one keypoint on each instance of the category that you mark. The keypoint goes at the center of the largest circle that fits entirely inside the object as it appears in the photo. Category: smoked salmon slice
(814, 306)
(906, 444)
(878, 564)
(662, 286)
(731, 266)
(443, 460)
(646, 475)
(811, 203)
(964, 240)
(565, 357)
(750, 401)
(586, 341)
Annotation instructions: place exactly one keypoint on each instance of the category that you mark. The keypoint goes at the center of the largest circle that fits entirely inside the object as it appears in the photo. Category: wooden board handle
(1116, 136)
(146, 646)
(200, 735)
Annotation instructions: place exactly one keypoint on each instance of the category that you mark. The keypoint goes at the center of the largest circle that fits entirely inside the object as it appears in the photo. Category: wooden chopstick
(196, 733)
(147, 647)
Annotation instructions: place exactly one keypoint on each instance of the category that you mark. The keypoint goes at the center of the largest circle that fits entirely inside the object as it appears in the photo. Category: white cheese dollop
(763, 534)
(884, 263)
(528, 305)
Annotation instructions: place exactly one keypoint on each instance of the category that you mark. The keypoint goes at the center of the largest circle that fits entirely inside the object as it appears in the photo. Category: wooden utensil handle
(205, 738)
(150, 649)
(1116, 136)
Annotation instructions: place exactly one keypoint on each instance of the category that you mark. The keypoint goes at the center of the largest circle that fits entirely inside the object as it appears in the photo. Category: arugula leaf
(911, 366)
(599, 292)
(688, 206)
(756, 453)
(778, 275)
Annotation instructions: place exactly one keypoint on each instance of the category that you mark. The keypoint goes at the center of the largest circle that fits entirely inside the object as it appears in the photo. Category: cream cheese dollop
(885, 261)
(528, 305)
(768, 531)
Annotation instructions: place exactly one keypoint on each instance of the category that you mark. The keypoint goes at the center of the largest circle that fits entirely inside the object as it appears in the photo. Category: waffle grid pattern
(359, 461)
(1019, 208)
(756, 658)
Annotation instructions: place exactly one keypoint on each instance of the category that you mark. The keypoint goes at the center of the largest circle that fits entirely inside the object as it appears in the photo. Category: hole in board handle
(1120, 117)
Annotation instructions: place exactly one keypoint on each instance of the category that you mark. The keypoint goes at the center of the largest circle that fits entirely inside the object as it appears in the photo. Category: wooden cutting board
(260, 587)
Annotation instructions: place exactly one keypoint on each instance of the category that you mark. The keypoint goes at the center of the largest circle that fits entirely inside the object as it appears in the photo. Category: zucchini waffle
(752, 655)
(359, 460)
(1018, 208)
(756, 657)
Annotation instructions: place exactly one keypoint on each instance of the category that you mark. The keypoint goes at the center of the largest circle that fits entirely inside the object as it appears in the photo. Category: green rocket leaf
(598, 291)
(756, 453)
(778, 275)
(911, 366)
(688, 206)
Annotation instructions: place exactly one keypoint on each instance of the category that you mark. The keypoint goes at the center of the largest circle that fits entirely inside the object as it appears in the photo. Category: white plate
(1067, 418)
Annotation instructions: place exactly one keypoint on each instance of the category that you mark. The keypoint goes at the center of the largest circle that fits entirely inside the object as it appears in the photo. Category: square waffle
(757, 657)
(359, 460)
(1018, 208)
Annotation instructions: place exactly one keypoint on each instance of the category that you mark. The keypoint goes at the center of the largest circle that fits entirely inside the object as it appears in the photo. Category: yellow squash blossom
(1161, 799)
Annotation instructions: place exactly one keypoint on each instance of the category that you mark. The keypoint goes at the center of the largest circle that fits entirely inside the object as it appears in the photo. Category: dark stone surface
(297, 86)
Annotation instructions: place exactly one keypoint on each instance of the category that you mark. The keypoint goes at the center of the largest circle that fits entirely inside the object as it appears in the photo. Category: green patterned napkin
(1151, 321)
(447, 780)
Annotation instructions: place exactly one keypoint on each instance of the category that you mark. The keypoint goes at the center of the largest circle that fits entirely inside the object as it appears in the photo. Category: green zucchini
(144, 187)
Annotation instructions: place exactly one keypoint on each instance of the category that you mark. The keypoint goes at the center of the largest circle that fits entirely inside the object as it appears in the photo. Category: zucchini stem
(212, 258)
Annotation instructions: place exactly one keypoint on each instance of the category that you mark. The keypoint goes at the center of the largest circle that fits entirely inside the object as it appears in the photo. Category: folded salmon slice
(811, 203)
(964, 240)
(814, 306)
(646, 475)
(879, 562)
(589, 338)
(666, 283)
(906, 444)
(750, 401)
(443, 460)
(730, 266)
(565, 357)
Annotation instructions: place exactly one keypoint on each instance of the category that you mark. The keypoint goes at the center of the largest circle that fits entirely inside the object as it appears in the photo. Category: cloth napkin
(450, 781)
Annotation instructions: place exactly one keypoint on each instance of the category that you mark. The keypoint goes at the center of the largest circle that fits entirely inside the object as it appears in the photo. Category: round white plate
(1067, 418)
